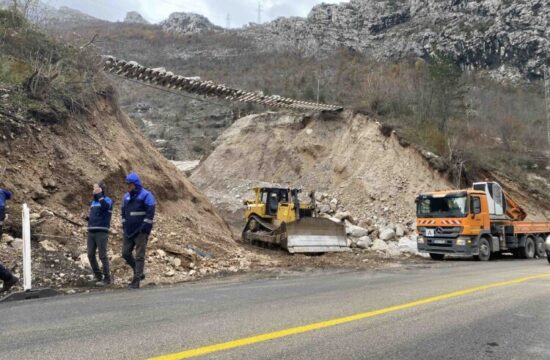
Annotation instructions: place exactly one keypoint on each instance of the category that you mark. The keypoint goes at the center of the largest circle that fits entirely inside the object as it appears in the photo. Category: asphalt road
(508, 321)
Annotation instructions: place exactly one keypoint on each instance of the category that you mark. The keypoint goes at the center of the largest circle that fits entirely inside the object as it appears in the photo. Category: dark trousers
(98, 241)
(139, 243)
(5, 274)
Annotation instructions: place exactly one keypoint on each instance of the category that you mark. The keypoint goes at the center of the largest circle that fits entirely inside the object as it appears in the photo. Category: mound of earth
(50, 162)
(362, 172)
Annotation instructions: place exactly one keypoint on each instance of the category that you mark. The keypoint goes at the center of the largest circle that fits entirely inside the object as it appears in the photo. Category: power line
(260, 9)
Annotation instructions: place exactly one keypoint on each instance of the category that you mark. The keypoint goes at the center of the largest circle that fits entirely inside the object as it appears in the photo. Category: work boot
(142, 277)
(134, 284)
(98, 277)
(105, 282)
(9, 283)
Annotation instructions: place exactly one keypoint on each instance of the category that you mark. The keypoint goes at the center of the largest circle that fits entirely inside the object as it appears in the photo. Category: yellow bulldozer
(277, 217)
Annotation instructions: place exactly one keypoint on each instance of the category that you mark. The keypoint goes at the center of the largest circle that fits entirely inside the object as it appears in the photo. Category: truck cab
(451, 222)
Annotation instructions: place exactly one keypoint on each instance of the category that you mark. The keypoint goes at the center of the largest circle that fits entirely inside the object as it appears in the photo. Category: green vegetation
(46, 75)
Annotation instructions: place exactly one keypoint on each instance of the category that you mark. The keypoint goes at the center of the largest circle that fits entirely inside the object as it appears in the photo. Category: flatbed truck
(482, 221)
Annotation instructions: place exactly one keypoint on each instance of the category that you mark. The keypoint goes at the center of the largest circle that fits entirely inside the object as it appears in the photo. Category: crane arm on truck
(513, 210)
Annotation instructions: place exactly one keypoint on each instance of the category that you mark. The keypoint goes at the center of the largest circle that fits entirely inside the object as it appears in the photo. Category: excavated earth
(50, 165)
(361, 170)
(345, 157)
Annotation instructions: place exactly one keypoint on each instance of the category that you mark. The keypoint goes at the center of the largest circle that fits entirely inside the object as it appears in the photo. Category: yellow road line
(338, 321)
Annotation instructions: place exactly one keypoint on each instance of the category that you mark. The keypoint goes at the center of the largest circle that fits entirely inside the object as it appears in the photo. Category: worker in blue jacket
(6, 276)
(99, 223)
(138, 212)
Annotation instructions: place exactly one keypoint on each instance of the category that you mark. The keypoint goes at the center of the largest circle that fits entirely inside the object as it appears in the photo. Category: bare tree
(44, 73)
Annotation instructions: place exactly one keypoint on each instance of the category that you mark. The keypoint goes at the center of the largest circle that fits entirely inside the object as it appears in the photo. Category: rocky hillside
(508, 37)
(188, 23)
(133, 17)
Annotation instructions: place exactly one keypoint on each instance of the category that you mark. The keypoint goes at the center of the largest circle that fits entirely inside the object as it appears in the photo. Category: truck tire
(528, 251)
(484, 250)
(437, 257)
(540, 250)
(548, 256)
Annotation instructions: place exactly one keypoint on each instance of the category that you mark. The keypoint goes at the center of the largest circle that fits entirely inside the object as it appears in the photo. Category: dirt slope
(347, 157)
(50, 163)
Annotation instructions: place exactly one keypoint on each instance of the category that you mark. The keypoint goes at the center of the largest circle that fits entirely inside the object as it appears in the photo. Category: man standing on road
(99, 223)
(138, 211)
(5, 275)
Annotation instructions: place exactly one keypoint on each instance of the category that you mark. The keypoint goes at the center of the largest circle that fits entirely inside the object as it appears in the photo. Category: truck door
(476, 213)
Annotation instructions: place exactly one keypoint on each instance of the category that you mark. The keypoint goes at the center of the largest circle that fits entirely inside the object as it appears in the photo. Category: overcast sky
(240, 11)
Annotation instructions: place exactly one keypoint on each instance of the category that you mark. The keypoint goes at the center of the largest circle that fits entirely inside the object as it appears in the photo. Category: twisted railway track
(160, 77)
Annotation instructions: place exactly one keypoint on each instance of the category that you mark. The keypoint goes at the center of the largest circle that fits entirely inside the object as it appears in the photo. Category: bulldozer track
(167, 79)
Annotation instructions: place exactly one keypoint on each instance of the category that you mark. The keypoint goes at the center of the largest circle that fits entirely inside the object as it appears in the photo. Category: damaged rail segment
(161, 77)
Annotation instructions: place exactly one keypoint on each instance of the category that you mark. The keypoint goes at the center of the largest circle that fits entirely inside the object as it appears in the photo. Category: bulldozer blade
(315, 235)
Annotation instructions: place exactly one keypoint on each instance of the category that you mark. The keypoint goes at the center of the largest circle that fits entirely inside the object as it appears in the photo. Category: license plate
(430, 232)
(440, 241)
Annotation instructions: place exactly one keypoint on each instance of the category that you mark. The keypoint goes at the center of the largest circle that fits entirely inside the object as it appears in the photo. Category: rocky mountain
(187, 23)
(133, 17)
(509, 37)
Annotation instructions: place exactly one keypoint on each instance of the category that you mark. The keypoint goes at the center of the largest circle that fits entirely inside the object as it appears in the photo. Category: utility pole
(547, 99)
(260, 9)
(318, 87)
(228, 21)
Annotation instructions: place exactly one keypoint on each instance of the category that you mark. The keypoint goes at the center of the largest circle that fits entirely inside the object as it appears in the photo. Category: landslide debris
(363, 174)
(57, 138)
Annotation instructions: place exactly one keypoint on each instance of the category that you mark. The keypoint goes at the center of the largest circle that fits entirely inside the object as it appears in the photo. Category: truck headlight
(461, 242)
(420, 240)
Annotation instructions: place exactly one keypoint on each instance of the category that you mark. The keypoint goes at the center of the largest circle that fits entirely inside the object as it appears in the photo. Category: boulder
(170, 273)
(400, 230)
(408, 245)
(387, 234)
(48, 245)
(333, 204)
(364, 242)
(176, 262)
(344, 215)
(324, 208)
(161, 253)
(355, 231)
(393, 250)
(84, 261)
(379, 245)
(17, 244)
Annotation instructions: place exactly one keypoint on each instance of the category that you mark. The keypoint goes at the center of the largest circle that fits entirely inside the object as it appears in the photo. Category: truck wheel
(540, 250)
(548, 255)
(528, 251)
(437, 256)
(484, 250)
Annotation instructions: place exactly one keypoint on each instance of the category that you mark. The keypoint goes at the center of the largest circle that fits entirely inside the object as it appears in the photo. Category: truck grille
(441, 232)
(439, 242)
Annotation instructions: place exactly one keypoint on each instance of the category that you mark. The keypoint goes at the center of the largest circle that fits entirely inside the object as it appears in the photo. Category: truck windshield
(448, 206)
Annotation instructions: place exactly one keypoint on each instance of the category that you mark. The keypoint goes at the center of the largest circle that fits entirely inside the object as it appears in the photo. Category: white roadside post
(27, 269)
